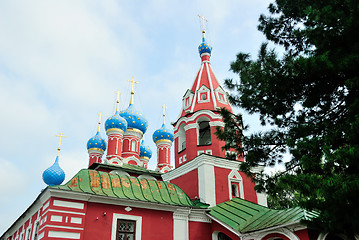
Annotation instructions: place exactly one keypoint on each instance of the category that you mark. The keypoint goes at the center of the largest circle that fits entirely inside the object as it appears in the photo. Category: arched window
(204, 132)
(181, 138)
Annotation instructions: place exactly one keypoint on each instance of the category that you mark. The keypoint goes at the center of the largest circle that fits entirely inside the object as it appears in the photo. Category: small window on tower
(204, 96)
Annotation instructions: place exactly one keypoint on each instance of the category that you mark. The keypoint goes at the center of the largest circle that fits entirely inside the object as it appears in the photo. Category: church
(198, 195)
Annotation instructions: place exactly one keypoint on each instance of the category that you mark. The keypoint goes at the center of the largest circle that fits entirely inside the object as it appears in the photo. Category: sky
(62, 61)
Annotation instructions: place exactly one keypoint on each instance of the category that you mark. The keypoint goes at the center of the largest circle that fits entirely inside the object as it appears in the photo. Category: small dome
(163, 133)
(204, 47)
(116, 121)
(134, 119)
(54, 175)
(145, 151)
(96, 142)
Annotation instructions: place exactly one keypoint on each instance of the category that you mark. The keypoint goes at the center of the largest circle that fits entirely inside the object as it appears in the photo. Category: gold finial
(117, 99)
(203, 20)
(132, 92)
(99, 121)
(61, 135)
(164, 112)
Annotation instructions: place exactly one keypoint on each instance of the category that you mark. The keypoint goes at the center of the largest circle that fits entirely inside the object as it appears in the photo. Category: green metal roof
(125, 187)
(244, 216)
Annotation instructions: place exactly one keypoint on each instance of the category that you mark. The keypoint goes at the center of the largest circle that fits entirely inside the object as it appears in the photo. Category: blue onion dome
(134, 119)
(96, 142)
(204, 47)
(116, 121)
(163, 134)
(54, 175)
(145, 151)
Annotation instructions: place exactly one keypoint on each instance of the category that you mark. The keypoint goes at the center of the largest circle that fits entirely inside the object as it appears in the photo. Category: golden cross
(203, 20)
(132, 92)
(117, 99)
(164, 112)
(99, 121)
(61, 135)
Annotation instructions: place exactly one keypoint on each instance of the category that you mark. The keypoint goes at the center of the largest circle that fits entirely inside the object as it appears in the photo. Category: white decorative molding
(197, 86)
(128, 209)
(46, 206)
(190, 126)
(220, 92)
(133, 158)
(211, 86)
(188, 95)
(212, 115)
(76, 220)
(120, 173)
(201, 159)
(203, 90)
(68, 235)
(55, 218)
(216, 123)
(60, 203)
(199, 215)
(138, 219)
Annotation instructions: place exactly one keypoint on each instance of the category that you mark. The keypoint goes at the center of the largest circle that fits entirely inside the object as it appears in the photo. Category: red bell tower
(200, 113)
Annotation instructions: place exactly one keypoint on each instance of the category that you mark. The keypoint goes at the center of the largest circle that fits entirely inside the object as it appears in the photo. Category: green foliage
(309, 96)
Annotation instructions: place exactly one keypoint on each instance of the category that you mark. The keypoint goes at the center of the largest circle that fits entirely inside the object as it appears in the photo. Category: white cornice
(114, 201)
(198, 161)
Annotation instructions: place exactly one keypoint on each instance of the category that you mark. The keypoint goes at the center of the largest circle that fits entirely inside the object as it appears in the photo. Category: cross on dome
(203, 20)
(132, 92)
(164, 112)
(99, 121)
(117, 99)
(61, 135)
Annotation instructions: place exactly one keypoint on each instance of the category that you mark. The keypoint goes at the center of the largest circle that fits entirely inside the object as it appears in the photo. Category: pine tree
(309, 95)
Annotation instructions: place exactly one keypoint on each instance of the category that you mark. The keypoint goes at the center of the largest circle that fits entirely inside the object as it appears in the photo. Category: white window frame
(235, 177)
(209, 151)
(201, 91)
(223, 93)
(138, 220)
(189, 95)
(180, 160)
(184, 157)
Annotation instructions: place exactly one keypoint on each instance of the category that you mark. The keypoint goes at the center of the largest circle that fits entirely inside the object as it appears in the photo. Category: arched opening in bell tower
(204, 132)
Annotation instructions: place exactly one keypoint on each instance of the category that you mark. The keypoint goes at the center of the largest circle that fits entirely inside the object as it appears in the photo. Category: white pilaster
(180, 224)
(206, 184)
